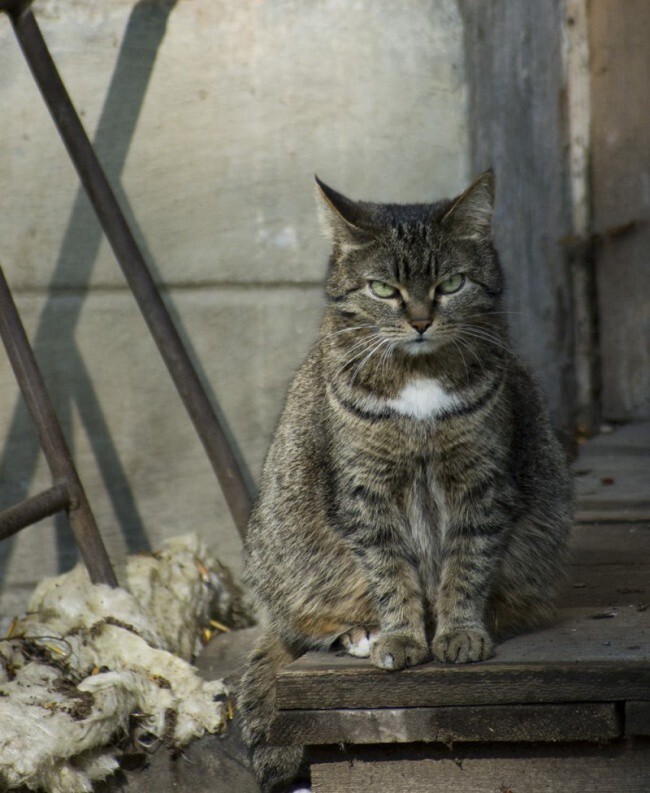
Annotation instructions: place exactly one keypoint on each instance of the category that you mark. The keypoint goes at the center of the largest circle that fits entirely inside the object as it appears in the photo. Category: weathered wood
(606, 659)
(579, 768)
(359, 685)
(610, 544)
(590, 655)
(602, 586)
(525, 723)
(517, 101)
(637, 718)
(620, 80)
(613, 476)
(610, 566)
(606, 511)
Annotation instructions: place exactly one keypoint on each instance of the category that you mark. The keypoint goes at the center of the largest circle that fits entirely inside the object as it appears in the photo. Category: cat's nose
(420, 324)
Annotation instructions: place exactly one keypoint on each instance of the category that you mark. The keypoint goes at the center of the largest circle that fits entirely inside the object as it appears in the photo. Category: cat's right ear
(347, 223)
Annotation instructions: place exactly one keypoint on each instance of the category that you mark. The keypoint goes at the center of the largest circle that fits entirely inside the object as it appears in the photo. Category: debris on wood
(603, 615)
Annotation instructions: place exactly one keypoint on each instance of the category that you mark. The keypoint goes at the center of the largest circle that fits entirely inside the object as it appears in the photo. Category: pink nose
(420, 324)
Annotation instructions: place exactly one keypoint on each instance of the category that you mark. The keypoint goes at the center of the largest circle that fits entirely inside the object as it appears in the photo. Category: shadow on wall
(143, 35)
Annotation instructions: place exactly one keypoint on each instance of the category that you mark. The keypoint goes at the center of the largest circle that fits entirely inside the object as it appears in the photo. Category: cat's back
(301, 416)
(540, 461)
(296, 454)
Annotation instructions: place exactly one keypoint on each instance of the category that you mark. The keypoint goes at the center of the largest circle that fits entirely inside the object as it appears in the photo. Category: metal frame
(67, 492)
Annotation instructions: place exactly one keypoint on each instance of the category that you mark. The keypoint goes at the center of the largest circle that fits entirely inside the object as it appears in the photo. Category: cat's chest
(424, 398)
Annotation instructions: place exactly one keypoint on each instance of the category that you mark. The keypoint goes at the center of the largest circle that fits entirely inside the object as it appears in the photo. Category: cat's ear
(347, 223)
(470, 215)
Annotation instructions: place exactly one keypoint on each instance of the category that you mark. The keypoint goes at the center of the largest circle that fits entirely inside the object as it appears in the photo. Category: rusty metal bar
(52, 439)
(230, 472)
(49, 502)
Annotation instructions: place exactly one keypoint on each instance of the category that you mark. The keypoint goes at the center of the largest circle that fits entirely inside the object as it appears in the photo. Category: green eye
(381, 289)
(452, 284)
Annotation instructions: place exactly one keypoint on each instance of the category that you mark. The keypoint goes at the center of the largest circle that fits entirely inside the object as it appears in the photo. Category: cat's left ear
(470, 215)
(347, 223)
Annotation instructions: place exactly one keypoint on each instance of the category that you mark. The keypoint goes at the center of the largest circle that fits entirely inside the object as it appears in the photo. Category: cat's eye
(452, 284)
(381, 289)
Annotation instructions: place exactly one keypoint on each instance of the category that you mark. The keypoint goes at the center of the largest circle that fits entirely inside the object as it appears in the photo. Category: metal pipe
(52, 439)
(33, 509)
(235, 484)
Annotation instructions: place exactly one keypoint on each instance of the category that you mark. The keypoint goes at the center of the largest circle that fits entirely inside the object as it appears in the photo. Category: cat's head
(419, 276)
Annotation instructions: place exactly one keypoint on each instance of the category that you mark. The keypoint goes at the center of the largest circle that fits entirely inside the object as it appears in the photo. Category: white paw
(358, 641)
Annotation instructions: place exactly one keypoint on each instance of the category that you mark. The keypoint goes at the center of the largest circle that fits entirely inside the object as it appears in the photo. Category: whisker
(472, 332)
(467, 346)
(456, 344)
(347, 330)
(367, 344)
(485, 332)
(384, 360)
(363, 342)
(367, 358)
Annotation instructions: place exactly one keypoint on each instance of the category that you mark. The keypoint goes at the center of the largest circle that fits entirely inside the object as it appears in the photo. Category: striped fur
(414, 487)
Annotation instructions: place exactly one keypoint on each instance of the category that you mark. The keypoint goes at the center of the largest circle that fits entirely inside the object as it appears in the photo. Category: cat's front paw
(462, 646)
(358, 641)
(395, 651)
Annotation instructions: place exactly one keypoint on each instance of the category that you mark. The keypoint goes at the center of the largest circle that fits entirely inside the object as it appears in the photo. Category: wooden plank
(626, 439)
(602, 586)
(525, 723)
(358, 685)
(613, 543)
(613, 475)
(624, 768)
(620, 81)
(637, 718)
(518, 127)
(631, 512)
(589, 655)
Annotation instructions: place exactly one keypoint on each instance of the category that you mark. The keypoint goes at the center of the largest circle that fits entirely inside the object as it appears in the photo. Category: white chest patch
(423, 399)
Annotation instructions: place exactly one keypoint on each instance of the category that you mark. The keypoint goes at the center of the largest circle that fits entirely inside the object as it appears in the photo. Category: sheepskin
(89, 666)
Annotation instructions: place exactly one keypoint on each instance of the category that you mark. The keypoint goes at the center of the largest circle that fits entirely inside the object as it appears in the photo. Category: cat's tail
(273, 766)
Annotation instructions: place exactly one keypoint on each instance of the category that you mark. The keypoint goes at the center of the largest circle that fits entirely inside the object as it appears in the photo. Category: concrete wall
(210, 118)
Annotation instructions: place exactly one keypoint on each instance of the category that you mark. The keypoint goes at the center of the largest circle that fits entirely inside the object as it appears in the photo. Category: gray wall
(210, 117)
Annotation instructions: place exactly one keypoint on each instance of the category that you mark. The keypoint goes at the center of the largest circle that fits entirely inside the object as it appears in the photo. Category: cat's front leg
(471, 554)
(369, 515)
(395, 586)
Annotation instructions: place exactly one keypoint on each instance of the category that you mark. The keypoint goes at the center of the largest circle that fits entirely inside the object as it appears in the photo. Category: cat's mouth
(419, 345)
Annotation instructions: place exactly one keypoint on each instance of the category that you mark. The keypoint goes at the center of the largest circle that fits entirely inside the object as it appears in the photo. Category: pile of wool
(90, 665)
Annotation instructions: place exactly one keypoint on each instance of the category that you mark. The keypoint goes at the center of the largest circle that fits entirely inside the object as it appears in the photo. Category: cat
(415, 503)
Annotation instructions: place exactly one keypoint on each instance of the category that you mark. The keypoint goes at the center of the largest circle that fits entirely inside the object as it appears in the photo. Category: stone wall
(210, 118)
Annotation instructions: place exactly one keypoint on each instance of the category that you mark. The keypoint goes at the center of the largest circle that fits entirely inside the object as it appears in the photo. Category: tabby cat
(415, 503)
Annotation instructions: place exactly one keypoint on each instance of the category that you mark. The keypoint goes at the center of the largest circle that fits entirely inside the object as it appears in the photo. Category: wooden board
(620, 164)
(580, 768)
(611, 544)
(610, 566)
(585, 657)
(517, 127)
(525, 723)
(613, 475)
(606, 586)
(637, 718)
